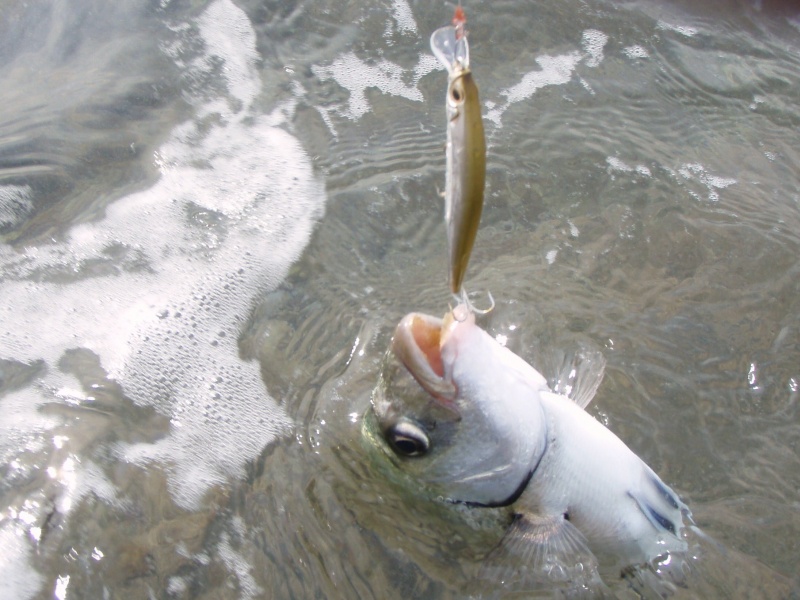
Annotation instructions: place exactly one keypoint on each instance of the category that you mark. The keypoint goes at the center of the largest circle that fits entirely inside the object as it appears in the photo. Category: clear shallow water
(214, 215)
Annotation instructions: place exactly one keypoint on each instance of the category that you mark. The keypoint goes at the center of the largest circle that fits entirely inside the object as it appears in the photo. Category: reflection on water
(188, 344)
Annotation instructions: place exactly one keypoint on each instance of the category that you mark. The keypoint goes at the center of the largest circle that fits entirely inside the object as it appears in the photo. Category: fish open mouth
(417, 344)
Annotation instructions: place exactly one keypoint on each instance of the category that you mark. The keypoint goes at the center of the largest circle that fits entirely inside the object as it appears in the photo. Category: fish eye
(457, 94)
(408, 439)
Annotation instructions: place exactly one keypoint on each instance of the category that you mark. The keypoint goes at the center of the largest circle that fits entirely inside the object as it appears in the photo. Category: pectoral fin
(544, 552)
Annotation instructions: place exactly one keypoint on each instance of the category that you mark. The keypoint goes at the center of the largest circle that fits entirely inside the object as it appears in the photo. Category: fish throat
(514, 496)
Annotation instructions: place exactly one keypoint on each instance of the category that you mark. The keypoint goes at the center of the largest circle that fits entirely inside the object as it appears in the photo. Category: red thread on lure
(459, 22)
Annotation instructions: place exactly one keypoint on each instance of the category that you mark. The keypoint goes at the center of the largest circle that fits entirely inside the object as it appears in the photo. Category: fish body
(466, 148)
(478, 425)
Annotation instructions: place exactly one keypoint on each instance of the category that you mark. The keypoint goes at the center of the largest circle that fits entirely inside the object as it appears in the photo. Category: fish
(477, 425)
(465, 175)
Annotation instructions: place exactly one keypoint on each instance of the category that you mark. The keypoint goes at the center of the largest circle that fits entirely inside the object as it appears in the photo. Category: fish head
(457, 411)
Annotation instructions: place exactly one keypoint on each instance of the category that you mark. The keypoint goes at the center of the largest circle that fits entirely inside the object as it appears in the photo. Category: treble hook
(463, 298)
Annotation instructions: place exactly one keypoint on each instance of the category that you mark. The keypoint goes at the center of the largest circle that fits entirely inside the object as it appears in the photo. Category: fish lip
(417, 344)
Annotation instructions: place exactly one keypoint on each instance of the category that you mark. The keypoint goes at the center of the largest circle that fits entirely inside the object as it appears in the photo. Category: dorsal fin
(574, 373)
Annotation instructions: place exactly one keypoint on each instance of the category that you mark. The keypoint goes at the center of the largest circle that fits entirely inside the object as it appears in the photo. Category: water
(213, 215)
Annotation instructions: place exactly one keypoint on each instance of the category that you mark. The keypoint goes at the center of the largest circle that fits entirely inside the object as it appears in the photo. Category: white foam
(233, 209)
(573, 229)
(553, 70)
(401, 13)
(17, 579)
(22, 427)
(635, 52)
(228, 34)
(681, 29)
(15, 204)
(427, 64)
(79, 478)
(593, 42)
(712, 183)
(357, 76)
(616, 164)
(757, 100)
(238, 565)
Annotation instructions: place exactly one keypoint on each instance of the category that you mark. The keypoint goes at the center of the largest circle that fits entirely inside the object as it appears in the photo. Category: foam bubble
(15, 204)
(401, 13)
(236, 563)
(635, 52)
(233, 209)
(17, 578)
(22, 426)
(356, 76)
(681, 29)
(427, 64)
(712, 183)
(615, 164)
(593, 42)
(228, 34)
(554, 70)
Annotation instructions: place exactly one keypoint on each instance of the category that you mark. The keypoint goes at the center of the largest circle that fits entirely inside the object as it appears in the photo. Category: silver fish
(476, 424)
(466, 148)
